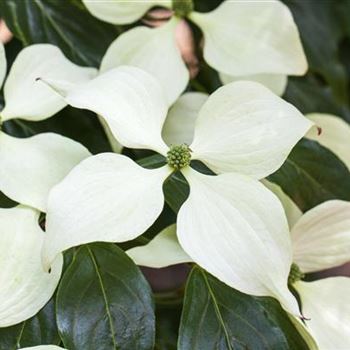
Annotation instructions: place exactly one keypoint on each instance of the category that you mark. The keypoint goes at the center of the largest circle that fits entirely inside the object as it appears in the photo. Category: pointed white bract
(32, 166)
(162, 251)
(327, 303)
(243, 127)
(153, 50)
(122, 11)
(43, 347)
(321, 238)
(335, 135)
(25, 287)
(277, 83)
(228, 224)
(129, 99)
(180, 121)
(106, 198)
(25, 97)
(238, 32)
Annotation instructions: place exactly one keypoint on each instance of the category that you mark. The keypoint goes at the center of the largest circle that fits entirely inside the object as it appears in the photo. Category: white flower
(254, 40)
(31, 166)
(231, 224)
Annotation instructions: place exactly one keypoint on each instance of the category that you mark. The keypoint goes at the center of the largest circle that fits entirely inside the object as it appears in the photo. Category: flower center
(295, 274)
(179, 156)
(182, 7)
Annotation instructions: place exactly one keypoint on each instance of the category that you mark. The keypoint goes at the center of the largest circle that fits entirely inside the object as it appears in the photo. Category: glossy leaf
(218, 317)
(321, 35)
(40, 329)
(312, 174)
(104, 302)
(81, 37)
(175, 187)
(79, 125)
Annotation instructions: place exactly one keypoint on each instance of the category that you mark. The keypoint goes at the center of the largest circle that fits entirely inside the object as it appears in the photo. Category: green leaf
(40, 329)
(309, 96)
(80, 125)
(216, 316)
(83, 38)
(6, 202)
(321, 34)
(168, 320)
(312, 174)
(176, 189)
(104, 302)
(325, 35)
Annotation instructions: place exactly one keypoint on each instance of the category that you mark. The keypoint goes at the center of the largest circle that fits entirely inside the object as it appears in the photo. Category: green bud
(295, 274)
(179, 156)
(182, 7)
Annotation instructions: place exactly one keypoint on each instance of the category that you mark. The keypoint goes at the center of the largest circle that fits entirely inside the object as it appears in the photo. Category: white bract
(335, 135)
(31, 166)
(231, 224)
(25, 287)
(43, 347)
(253, 40)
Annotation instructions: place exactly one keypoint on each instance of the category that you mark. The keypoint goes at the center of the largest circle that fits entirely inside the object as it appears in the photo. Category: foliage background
(213, 315)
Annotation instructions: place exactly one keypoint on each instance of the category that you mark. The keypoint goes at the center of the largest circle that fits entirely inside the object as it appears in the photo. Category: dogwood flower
(254, 40)
(31, 166)
(230, 224)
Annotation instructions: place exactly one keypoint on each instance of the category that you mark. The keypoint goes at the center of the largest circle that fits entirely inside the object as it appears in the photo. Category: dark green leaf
(310, 96)
(175, 188)
(216, 316)
(6, 202)
(312, 174)
(321, 35)
(77, 124)
(168, 320)
(152, 162)
(104, 302)
(83, 38)
(40, 329)
(176, 191)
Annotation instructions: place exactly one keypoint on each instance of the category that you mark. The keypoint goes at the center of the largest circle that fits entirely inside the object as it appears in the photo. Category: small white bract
(231, 224)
